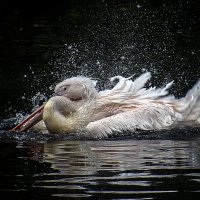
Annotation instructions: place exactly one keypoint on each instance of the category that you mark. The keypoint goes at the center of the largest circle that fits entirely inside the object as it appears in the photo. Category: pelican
(77, 107)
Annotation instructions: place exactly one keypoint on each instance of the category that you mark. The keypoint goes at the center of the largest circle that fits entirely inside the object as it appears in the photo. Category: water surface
(39, 167)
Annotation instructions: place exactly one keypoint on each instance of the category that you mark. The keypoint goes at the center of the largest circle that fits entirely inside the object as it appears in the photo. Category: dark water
(107, 169)
(142, 165)
(42, 42)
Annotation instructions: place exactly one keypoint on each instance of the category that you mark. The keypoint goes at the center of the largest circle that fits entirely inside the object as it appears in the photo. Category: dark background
(42, 42)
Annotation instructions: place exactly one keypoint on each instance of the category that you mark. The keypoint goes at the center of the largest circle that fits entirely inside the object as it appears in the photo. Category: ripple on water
(120, 169)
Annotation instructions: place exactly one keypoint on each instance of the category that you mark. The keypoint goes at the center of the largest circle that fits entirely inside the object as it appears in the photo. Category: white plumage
(126, 107)
(136, 107)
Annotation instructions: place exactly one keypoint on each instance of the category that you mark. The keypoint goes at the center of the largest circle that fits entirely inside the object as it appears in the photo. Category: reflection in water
(88, 157)
(119, 169)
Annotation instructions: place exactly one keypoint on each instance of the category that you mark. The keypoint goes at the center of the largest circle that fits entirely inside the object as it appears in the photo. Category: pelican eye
(64, 88)
(61, 90)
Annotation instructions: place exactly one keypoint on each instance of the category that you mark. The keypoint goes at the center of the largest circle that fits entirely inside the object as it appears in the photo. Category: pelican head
(76, 88)
(60, 112)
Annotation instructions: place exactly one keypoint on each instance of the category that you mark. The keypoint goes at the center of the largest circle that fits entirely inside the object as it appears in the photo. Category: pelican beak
(30, 121)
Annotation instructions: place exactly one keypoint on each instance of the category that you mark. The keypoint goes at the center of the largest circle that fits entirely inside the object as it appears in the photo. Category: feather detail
(150, 117)
(129, 92)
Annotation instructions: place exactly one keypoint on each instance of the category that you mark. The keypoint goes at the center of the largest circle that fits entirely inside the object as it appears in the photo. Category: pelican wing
(133, 92)
(150, 117)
